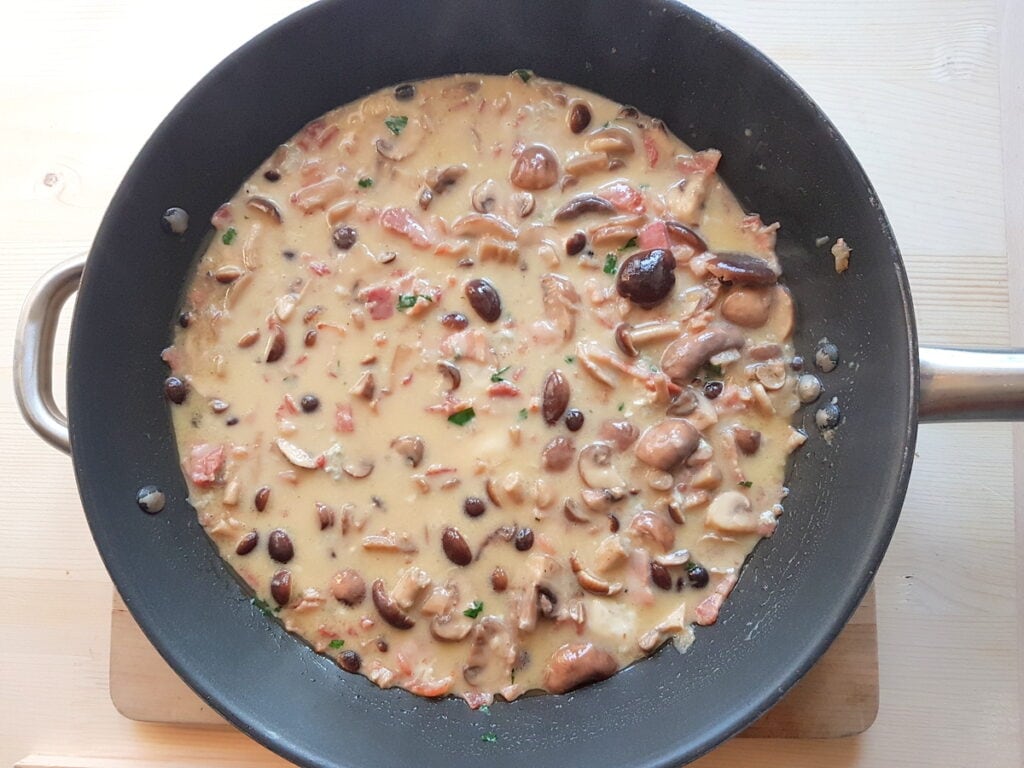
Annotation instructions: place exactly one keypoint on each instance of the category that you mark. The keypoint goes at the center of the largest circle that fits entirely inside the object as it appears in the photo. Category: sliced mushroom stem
(388, 608)
(590, 582)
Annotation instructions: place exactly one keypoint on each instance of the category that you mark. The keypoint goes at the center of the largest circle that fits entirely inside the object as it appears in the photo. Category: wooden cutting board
(838, 697)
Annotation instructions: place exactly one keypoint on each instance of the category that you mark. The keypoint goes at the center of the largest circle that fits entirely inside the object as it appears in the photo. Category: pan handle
(971, 385)
(33, 351)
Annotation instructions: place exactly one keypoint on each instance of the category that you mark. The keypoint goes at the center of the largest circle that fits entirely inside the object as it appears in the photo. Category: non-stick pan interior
(782, 158)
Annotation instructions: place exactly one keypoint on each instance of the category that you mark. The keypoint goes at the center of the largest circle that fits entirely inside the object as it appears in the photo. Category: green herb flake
(485, 709)
(489, 738)
(714, 371)
(496, 376)
(408, 300)
(366, 183)
(396, 123)
(462, 418)
(570, 359)
(631, 243)
(262, 605)
(474, 609)
(611, 262)
(523, 413)
(524, 74)
(746, 483)
(337, 643)
(229, 237)
(645, 186)
(622, 407)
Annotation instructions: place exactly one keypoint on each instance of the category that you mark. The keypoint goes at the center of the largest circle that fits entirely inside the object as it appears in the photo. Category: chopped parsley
(408, 300)
(462, 418)
(523, 414)
(713, 370)
(474, 609)
(496, 376)
(631, 243)
(485, 709)
(645, 186)
(396, 123)
(622, 407)
(229, 237)
(489, 738)
(746, 483)
(337, 643)
(366, 182)
(611, 262)
(570, 359)
(524, 74)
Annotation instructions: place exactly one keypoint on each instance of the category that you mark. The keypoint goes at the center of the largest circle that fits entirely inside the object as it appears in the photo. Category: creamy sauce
(453, 497)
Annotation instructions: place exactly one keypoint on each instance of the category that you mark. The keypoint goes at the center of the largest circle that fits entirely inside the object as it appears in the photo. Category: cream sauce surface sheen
(456, 497)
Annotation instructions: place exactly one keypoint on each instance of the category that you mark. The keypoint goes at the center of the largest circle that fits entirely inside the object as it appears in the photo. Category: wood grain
(837, 698)
(913, 85)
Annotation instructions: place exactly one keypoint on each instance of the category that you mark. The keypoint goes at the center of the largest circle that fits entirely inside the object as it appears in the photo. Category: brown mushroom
(748, 307)
(276, 344)
(358, 469)
(439, 179)
(573, 513)
(558, 454)
(483, 225)
(348, 587)
(264, 205)
(596, 468)
(653, 527)
(747, 440)
(772, 375)
(680, 234)
(451, 371)
(484, 196)
(576, 664)
(409, 447)
(388, 608)
(685, 356)
(535, 168)
(555, 397)
(614, 140)
(742, 269)
(619, 432)
(582, 205)
(602, 499)
(590, 582)
(667, 444)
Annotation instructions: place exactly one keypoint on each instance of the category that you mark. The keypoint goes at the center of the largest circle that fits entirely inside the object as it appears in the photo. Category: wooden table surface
(931, 99)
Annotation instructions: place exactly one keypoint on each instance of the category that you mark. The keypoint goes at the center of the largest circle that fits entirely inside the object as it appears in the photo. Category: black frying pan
(782, 158)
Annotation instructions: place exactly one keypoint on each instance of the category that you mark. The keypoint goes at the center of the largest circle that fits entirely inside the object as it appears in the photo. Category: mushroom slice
(266, 206)
(685, 356)
(358, 469)
(672, 559)
(439, 179)
(667, 444)
(492, 654)
(389, 541)
(573, 513)
(742, 269)
(451, 627)
(596, 468)
(590, 582)
(602, 499)
(485, 196)
(409, 447)
(730, 512)
(412, 583)
(561, 302)
(451, 371)
(388, 608)
(483, 225)
(582, 205)
(772, 375)
(673, 625)
(295, 455)
(613, 140)
(653, 527)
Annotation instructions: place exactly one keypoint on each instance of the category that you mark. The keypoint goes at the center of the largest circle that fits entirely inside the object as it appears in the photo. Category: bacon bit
(503, 389)
(707, 611)
(312, 172)
(321, 461)
(651, 149)
(446, 248)
(653, 235)
(704, 163)
(319, 268)
(343, 420)
(222, 216)
(204, 463)
(402, 222)
(439, 469)
(287, 407)
(764, 234)
(449, 406)
(316, 134)
(379, 301)
(322, 630)
(431, 688)
(623, 196)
